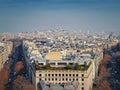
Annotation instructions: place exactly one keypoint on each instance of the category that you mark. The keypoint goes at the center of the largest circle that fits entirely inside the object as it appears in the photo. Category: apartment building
(5, 50)
(2, 52)
(83, 77)
(58, 59)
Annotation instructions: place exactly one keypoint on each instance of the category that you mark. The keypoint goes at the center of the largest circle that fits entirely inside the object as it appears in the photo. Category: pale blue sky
(84, 15)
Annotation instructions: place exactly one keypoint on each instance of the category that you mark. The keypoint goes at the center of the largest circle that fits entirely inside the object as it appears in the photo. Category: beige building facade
(84, 78)
(2, 55)
(5, 51)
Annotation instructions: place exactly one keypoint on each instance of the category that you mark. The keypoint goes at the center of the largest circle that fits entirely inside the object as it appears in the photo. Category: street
(17, 55)
(115, 73)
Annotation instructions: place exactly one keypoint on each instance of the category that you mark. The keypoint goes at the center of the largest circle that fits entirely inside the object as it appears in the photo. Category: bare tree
(106, 59)
(4, 75)
(22, 84)
(117, 54)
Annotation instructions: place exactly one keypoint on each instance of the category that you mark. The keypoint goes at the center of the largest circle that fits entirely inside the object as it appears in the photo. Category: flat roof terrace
(68, 67)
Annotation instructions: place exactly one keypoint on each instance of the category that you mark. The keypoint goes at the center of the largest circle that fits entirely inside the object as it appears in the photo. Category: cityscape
(59, 60)
(59, 45)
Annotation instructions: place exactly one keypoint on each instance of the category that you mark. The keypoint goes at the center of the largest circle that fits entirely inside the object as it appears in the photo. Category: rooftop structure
(64, 76)
(55, 55)
(5, 51)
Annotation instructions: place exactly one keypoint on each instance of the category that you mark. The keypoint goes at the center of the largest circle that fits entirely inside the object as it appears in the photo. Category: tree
(2, 87)
(4, 75)
(102, 79)
(20, 83)
(105, 85)
(103, 69)
(69, 66)
(28, 87)
(19, 66)
(117, 54)
(106, 59)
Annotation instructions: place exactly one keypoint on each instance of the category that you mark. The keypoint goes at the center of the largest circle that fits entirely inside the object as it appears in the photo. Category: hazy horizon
(79, 15)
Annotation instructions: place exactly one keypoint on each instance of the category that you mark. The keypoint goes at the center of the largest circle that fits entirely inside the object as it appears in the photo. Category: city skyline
(79, 15)
(59, 60)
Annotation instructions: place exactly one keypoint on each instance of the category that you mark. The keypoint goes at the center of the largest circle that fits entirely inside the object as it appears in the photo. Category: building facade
(5, 51)
(84, 78)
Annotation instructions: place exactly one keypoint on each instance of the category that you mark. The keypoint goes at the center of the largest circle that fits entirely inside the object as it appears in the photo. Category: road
(17, 55)
(115, 72)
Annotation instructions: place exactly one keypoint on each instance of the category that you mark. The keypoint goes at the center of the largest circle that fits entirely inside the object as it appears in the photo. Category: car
(14, 73)
(9, 80)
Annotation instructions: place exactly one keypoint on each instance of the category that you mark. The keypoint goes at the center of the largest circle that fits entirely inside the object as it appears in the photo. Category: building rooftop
(83, 67)
(55, 55)
(67, 86)
(1, 49)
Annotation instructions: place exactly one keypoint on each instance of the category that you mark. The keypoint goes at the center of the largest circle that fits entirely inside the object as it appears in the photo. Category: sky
(78, 15)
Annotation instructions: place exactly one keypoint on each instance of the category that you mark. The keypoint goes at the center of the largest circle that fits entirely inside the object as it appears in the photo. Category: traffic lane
(115, 73)
(15, 55)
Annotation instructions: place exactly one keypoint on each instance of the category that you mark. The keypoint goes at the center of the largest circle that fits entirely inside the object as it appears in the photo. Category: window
(69, 79)
(40, 79)
(82, 83)
(69, 74)
(63, 79)
(45, 79)
(76, 79)
(82, 79)
(52, 79)
(82, 88)
(66, 74)
(49, 79)
(56, 79)
(59, 74)
(52, 74)
(48, 74)
(62, 74)
(66, 79)
(45, 74)
(73, 79)
(73, 74)
(82, 75)
(55, 74)
(40, 75)
(77, 75)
